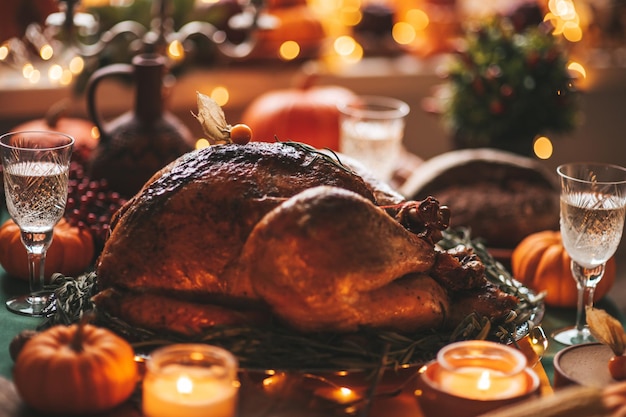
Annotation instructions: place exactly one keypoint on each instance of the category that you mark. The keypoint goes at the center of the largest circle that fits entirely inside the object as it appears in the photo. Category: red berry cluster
(90, 203)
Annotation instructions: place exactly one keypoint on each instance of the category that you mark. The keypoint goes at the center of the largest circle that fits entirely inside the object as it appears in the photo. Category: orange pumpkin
(541, 263)
(307, 114)
(75, 370)
(83, 131)
(71, 252)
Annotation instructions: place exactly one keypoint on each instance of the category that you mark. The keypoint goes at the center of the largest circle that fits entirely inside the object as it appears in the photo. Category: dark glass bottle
(138, 143)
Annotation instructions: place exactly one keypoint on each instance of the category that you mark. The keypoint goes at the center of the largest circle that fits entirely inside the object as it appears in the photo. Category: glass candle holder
(472, 377)
(191, 380)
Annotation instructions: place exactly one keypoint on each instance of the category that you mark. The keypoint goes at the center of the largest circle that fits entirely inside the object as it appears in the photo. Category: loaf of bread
(502, 197)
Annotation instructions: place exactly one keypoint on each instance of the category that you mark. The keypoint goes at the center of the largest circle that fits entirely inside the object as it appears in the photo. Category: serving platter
(279, 348)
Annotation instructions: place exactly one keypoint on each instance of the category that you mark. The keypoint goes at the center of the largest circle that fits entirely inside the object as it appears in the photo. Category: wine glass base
(573, 336)
(28, 305)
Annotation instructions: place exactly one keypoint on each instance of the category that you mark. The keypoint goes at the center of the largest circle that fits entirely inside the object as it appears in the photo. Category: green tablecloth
(11, 324)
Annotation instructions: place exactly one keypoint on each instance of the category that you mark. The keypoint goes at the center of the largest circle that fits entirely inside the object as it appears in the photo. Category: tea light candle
(482, 370)
(191, 380)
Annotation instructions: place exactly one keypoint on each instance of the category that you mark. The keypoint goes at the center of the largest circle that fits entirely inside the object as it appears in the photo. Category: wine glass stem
(36, 265)
(585, 299)
(586, 281)
(36, 246)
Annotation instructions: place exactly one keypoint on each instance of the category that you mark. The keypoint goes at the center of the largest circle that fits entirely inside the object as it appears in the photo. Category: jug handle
(94, 81)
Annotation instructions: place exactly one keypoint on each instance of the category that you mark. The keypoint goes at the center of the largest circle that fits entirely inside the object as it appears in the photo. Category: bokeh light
(46, 52)
(289, 50)
(77, 64)
(543, 147)
(403, 33)
(577, 67)
(175, 51)
(221, 95)
(202, 143)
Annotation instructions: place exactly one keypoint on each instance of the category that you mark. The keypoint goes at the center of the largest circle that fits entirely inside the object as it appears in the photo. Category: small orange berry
(240, 134)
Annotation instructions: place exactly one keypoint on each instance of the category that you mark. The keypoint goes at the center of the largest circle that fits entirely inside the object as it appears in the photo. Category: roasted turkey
(236, 234)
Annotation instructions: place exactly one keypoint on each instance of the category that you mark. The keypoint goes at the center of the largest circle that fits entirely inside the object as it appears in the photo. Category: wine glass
(593, 205)
(35, 170)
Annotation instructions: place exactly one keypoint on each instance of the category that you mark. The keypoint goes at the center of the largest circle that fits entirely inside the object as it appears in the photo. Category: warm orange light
(66, 77)
(175, 51)
(95, 133)
(344, 45)
(46, 52)
(543, 147)
(565, 19)
(77, 64)
(572, 32)
(55, 72)
(350, 12)
(4, 52)
(289, 50)
(220, 95)
(403, 33)
(577, 67)
(202, 143)
(417, 18)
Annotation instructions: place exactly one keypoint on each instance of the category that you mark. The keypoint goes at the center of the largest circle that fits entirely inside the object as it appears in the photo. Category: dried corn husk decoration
(574, 401)
(212, 119)
(607, 330)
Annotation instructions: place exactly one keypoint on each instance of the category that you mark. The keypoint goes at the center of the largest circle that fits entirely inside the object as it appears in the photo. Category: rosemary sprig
(328, 154)
(276, 347)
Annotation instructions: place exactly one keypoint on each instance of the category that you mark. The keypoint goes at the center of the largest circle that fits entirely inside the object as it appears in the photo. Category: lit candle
(339, 395)
(474, 377)
(482, 370)
(190, 380)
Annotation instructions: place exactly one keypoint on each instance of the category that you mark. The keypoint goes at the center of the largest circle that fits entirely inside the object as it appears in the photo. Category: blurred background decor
(507, 84)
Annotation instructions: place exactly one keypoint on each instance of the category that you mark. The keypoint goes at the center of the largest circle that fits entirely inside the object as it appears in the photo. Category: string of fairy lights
(43, 59)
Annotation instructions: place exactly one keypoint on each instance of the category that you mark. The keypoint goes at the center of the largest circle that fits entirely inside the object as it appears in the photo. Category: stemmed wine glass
(593, 205)
(35, 169)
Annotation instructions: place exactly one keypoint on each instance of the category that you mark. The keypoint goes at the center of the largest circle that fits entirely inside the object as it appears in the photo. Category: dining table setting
(517, 354)
(296, 257)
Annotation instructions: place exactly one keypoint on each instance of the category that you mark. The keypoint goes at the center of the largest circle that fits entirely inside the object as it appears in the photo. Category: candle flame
(484, 382)
(345, 392)
(184, 385)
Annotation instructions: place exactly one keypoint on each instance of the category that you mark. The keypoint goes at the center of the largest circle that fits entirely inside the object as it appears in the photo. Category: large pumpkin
(75, 370)
(71, 251)
(307, 114)
(541, 263)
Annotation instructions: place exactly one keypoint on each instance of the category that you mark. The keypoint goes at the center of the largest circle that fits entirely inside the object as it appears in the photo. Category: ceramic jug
(136, 144)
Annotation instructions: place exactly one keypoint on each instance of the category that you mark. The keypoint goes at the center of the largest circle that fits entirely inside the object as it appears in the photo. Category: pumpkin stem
(77, 341)
(56, 111)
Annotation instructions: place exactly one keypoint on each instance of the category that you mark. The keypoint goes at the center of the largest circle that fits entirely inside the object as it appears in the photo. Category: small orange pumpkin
(541, 263)
(75, 370)
(307, 114)
(71, 252)
(83, 131)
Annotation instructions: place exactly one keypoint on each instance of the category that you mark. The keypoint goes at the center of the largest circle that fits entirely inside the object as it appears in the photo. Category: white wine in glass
(593, 206)
(35, 169)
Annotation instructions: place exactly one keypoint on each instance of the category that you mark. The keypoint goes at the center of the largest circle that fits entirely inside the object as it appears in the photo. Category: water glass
(371, 129)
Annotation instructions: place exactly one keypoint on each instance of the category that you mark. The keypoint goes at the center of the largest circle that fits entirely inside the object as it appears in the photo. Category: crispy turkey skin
(280, 229)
